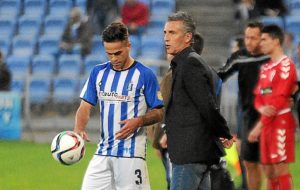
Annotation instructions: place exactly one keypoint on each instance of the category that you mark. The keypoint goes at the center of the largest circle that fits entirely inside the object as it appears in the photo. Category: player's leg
(250, 156)
(98, 175)
(284, 177)
(253, 175)
(130, 174)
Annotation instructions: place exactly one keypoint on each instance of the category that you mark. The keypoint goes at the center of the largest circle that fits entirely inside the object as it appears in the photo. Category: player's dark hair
(198, 43)
(255, 24)
(188, 22)
(115, 32)
(275, 32)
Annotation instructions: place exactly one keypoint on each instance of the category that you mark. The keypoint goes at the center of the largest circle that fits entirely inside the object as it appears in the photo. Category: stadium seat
(10, 8)
(155, 27)
(65, 90)
(19, 66)
(49, 44)
(5, 46)
(7, 27)
(69, 65)
(29, 26)
(152, 47)
(90, 62)
(35, 8)
(60, 7)
(266, 20)
(135, 45)
(54, 25)
(39, 90)
(97, 46)
(293, 24)
(162, 7)
(17, 85)
(43, 66)
(294, 7)
(23, 46)
(81, 4)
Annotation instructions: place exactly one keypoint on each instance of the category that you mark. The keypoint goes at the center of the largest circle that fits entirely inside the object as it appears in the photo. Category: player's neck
(277, 54)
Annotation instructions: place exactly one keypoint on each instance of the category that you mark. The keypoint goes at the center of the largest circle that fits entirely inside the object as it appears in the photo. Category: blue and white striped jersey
(121, 95)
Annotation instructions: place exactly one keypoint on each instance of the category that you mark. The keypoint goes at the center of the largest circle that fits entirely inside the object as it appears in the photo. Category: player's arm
(230, 67)
(130, 125)
(81, 119)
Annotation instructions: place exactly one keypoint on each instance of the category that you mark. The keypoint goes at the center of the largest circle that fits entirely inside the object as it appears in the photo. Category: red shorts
(277, 140)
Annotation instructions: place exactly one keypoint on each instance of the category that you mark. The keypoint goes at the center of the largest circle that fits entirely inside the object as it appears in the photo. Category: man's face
(267, 44)
(176, 39)
(252, 40)
(118, 54)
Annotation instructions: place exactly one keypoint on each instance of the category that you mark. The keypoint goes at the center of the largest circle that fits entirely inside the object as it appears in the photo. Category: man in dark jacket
(5, 76)
(195, 127)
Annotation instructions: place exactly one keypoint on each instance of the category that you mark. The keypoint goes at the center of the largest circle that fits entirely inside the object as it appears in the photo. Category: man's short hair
(255, 24)
(115, 32)
(188, 22)
(198, 43)
(275, 32)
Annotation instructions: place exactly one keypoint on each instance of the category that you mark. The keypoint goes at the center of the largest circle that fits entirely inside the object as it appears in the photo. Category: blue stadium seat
(162, 7)
(54, 25)
(69, 65)
(43, 66)
(39, 89)
(293, 24)
(36, 8)
(97, 46)
(135, 45)
(81, 4)
(294, 7)
(5, 46)
(23, 46)
(266, 20)
(10, 8)
(49, 44)
(155, 27)
(7, 27)
(65, 90)
(29, 25)
(19, 66)
(90, 62)
(152, 47)
(17, 85)
(60, 7)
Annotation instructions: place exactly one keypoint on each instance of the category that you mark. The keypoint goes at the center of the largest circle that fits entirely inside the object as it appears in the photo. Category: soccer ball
(67, 147)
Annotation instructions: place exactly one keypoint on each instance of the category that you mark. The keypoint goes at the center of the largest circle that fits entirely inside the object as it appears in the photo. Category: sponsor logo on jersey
(114, 96)
(267, 90)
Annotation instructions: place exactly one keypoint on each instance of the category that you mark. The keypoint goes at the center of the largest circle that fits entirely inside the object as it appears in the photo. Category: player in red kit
(276, 126)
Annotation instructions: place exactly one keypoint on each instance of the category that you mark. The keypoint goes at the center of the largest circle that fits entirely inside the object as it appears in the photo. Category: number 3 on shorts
(138, 174)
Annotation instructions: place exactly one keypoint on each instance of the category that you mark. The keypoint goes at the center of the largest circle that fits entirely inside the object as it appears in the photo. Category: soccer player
(129, 99)
(194, 124)
(276, 126)
(247, 63)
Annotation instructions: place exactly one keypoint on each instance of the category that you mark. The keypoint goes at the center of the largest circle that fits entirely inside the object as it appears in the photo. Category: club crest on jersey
(130, 86)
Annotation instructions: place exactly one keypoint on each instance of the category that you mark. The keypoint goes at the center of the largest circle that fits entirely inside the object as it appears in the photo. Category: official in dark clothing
(194, 124)
(247, 63)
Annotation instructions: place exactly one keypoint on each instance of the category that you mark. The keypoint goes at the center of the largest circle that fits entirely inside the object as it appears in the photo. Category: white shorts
(113, 173)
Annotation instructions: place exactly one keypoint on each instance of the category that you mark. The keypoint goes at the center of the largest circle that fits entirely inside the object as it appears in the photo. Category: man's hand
(130, 125)
(83, 134)
(267, 110)
(255, 133)
(226, 142)
(163, 141)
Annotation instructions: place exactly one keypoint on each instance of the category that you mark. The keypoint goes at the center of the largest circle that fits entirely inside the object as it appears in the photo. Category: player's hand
(254, 134)
(83, 134)
(226, 142)
(163, 141)
(267, 110)
(130, 125)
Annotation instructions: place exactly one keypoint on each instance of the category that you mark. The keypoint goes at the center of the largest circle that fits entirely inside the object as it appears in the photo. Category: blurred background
(48, 48)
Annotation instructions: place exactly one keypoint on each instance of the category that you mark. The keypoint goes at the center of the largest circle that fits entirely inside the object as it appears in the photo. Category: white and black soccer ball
(67, 147)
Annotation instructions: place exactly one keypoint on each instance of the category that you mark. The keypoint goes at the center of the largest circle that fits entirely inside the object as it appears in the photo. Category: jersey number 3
(138, 174)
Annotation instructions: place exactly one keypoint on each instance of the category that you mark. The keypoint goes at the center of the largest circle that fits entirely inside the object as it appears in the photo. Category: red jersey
(137, 13)
(276, 84)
